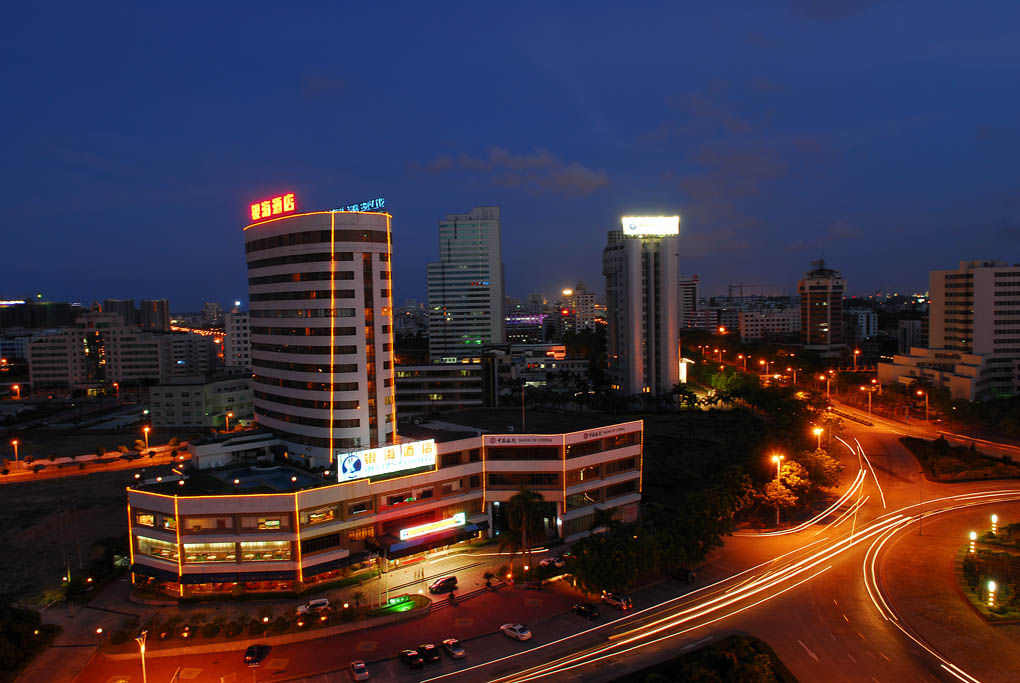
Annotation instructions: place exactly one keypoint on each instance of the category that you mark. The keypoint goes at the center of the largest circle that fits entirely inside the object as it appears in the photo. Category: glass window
(319, 515)
(265, 551)
(198, 553)
(361, 533)
(153, 547)
(145, 519)
(169, 523)
(269, 524)
(359, 507)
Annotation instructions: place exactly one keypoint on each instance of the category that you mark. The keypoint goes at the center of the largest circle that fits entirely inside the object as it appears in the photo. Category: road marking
(366, 645)
(832, 635)
(189, 674)
(883, 655)
(806, 649)
(464, 621)
(861, 635)
(847, 620)
(695, 644)
(834, 602)
(851, 657)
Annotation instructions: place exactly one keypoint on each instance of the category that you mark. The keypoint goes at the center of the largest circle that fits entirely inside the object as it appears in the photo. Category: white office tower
(688, 299)
(465, 288)
(237, 340)
(641, 267)
(321, 330)
(974, 333)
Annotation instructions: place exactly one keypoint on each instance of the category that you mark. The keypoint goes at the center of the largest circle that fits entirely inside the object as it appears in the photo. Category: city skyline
(774, 135)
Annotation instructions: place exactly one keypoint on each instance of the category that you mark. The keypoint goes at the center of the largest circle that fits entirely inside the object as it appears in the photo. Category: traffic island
(733, 658)
(987, 568)
(196, 636)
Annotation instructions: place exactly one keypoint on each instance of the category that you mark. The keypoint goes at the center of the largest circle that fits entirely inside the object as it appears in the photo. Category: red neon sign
(273, 207)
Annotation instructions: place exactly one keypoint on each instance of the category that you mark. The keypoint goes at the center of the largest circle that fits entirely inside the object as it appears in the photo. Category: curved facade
(320, 295)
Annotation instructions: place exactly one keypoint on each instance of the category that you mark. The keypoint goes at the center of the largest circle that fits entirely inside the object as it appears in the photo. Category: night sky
(882, 134)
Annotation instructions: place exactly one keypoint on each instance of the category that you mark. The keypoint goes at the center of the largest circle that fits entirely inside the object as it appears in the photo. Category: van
(447, 583)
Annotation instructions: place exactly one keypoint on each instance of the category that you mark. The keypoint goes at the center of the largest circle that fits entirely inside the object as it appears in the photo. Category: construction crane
(740, 289)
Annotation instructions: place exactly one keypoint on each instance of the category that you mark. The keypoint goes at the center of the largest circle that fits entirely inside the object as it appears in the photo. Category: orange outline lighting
(297, 533)
(393, 370)
(312, 213)
(131, 541)
(332, 326)
(180, 549)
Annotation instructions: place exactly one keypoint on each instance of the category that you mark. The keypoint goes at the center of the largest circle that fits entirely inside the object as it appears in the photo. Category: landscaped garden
(990, 574)
(944, 462)
(734, 658)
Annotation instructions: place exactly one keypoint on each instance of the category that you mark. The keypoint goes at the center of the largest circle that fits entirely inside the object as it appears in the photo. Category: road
(856, 594)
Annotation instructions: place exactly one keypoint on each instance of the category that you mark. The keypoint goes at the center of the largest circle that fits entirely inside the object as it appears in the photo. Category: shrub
(280, 624)
(210, 630)
(232, 629)
(119, 637)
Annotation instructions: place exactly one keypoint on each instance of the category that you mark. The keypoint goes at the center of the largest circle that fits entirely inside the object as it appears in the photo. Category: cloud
(538, 172)
(830, 10)
(841, 230)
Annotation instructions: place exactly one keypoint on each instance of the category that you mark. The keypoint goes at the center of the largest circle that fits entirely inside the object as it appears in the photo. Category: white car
(316, 605)
(516, 631)
(557, 562)
(359, 672)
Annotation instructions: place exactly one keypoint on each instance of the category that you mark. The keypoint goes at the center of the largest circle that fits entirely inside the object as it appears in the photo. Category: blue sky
(882, 134)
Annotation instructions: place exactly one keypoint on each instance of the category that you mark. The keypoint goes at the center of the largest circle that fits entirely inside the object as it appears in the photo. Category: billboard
(267, 208)
(651, 225)
(459, 519)
(376, 462)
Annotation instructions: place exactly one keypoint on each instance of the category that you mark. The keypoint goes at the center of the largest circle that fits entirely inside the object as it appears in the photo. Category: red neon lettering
(273, 207)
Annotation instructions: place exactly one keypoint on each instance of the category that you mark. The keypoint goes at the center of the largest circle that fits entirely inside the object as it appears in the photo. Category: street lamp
(794, 371)
(141, 648)
(925, 394)
(17, 392)
(145, 431)
(857, 352)
(995, 524)
(742, 357)
(228, 416)
(991, 594)
(973, 542)
(826, 378)
(778, 459)
(116, 389)
(14, 442)
(818, 433)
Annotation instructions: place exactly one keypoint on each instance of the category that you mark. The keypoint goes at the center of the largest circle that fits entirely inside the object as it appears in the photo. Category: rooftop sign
(276, 206)
(377, 204)
(651, 225)
(376, 462)
(459, 519)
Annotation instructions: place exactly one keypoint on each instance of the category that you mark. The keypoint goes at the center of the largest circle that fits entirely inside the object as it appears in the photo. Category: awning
(154, 572)
(420, 545)
(324, 567)
(267, 576)
(209, 578)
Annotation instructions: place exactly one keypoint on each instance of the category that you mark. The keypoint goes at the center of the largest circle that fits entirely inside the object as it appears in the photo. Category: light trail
(860, 451)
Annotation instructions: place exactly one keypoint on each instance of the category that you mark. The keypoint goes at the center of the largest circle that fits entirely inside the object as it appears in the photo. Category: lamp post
(14, 442)
(116, 390)
(743, 358)
(227, 417)
(857, 352)
(973, 542)
(995, 524)
(818, 433)
(991, 594)
(141, 648)
(794, 371)
(925, 394)
(778, 459)
(826, 378)
(17, 392)
(145, 431)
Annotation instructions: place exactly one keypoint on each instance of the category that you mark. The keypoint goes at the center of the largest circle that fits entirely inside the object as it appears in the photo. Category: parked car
(447, 583)
(316, 605)
(617, 600)
(256, 654)
(359, 672)
(515, 631)
(412, 659)
(429, 652)
(585, 610)
(558, 561)
(683, 574)
(454, 648)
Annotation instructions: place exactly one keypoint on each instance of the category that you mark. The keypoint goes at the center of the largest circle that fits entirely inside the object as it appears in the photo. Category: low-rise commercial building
(269, 527)
(194, 402)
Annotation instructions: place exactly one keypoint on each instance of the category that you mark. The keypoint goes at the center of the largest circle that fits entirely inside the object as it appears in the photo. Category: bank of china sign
(459, 519)
(376, 462)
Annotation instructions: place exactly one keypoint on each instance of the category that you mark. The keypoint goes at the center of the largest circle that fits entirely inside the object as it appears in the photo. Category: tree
(510, 542)
(525, 517)
(139, 445)
(684, 396)
(822, 468)
(174, 442)
(603, 519)
(358, 597)
(778, 496)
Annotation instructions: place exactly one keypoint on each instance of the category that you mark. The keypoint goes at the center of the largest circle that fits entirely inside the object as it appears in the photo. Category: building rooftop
(249, 478)
(463, 424)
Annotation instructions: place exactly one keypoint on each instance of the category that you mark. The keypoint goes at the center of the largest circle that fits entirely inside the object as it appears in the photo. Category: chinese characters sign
(377, 204)
(459, 519)
(376, 462)
(268, 208)
(651, 225)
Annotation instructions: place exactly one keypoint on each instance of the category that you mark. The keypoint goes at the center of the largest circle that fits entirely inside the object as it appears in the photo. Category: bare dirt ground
(50, 526)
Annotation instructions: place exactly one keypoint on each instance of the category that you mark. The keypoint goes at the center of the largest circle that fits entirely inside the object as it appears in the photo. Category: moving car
(316, 605)
(256, 654)
(359, 672)
(447, 583)
(454, 648)
(412, 659)
(429, 652)
(515, 631)
(617, 600)
(587, 611)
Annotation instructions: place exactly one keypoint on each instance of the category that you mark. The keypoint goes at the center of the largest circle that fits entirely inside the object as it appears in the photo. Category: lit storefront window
(145, 519)
(265, 551)
(153, 547)
(169, 523)
(319, 516)
(197, 553)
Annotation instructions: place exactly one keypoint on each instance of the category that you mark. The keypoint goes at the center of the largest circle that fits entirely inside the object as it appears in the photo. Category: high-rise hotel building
(465, 287)
(821, 308)
(641, 267)
(321, 330)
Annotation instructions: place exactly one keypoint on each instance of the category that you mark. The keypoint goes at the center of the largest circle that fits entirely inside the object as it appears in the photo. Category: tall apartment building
(186, 355)
(689, 286)
(908, 335)
(974, 333)
(212, 313)
(579, 303)
(768, 324)
(641, 267)
(859, 325)
(821, 308)
(321, 330)
(465, 287)
(237, 340)
(154, 315)
(125, 308)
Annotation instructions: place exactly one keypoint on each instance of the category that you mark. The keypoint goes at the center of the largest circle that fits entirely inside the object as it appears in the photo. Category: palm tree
(511, 543)
(525, 516)
(603, 518)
